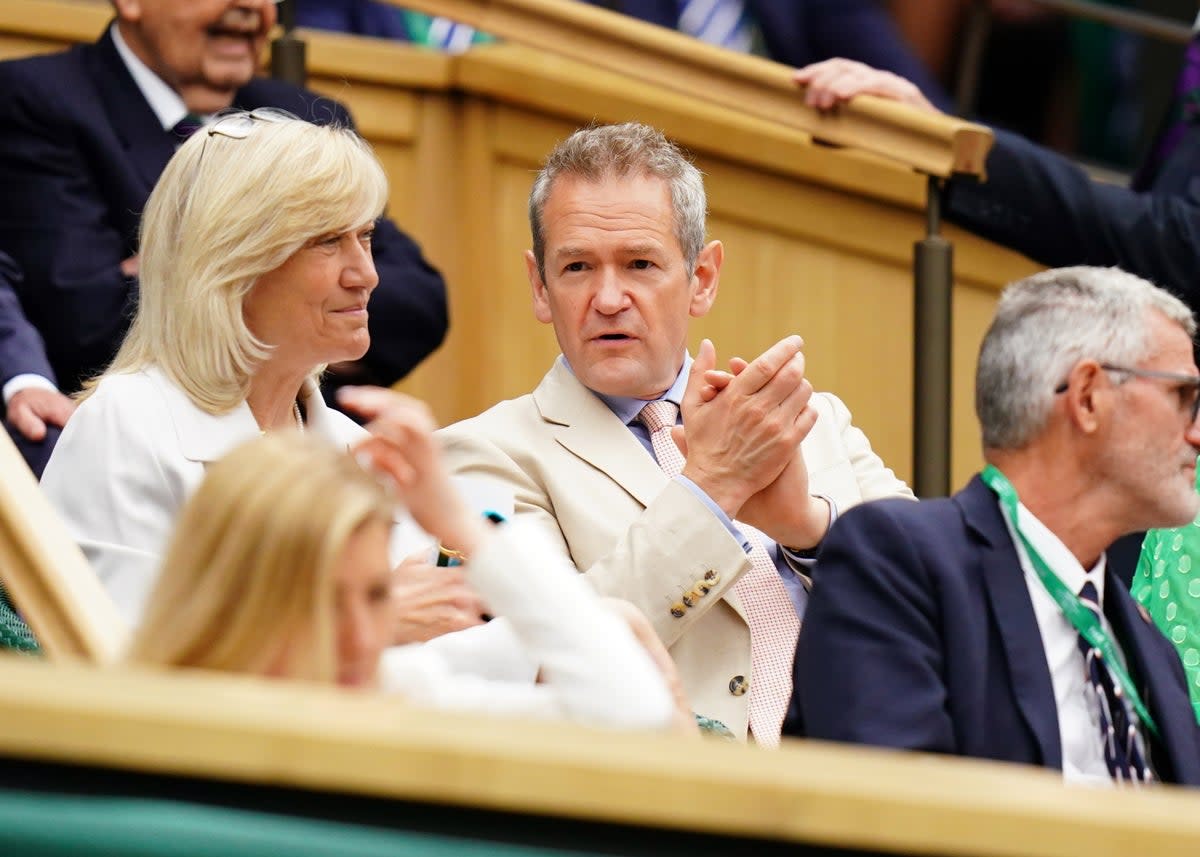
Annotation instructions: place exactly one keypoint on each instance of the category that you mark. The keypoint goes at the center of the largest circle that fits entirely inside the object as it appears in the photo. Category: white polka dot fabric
(1167, 584)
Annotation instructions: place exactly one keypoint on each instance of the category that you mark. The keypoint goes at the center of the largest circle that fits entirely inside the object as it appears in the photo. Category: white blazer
(131, 456)
(590, 667)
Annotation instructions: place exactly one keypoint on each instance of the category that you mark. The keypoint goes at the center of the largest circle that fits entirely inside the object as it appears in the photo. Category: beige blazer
(577, 471)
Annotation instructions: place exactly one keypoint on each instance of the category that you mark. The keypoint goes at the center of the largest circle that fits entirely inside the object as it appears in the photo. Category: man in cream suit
(619, 267)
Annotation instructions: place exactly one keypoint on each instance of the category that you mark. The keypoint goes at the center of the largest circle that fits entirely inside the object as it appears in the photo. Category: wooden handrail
(235, 728)
(928, 143)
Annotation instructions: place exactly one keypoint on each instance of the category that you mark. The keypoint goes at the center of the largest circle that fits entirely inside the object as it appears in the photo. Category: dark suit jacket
(363, 17)
(1041, 204)
(80, 150)
(22, 350)
(21, 347)
(799, 32)
(920, 634)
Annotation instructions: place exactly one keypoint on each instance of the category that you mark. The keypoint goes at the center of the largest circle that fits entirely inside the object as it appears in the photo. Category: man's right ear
(541, 300)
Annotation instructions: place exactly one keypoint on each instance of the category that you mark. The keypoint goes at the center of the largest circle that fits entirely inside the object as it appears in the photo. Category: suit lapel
(582, 424)
(202, 436)
(1012, 612)
(147, 145)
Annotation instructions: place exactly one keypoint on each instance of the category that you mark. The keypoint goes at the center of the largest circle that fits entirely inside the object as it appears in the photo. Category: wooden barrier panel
(292, 736)
(818, 240)
(57, 592)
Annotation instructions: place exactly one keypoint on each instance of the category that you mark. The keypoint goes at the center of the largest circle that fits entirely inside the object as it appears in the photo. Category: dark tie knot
(187, 126)
(660, 414)
(1089, 596)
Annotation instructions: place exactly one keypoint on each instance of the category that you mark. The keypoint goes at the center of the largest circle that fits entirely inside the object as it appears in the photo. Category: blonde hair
(250, 565)
(225, 211)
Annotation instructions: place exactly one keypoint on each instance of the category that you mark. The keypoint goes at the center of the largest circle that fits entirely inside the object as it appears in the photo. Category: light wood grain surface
(290, 734)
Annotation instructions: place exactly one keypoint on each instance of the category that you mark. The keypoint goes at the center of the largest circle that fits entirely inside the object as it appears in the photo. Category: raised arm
(1042, 204)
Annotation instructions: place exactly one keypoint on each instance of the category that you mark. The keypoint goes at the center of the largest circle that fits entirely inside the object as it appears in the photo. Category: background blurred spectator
(384, 21)
(795, 32)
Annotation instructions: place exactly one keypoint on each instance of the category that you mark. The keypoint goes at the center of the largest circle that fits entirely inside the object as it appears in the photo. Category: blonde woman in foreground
(279, 566)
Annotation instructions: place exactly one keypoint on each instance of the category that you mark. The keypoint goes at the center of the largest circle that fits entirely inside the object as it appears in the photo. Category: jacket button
(712, 576)
(689, 600)
(738, 685)
(677, 610)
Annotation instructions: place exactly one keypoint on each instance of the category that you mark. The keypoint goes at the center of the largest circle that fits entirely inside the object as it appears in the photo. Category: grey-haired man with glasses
(84, 135)
(988, 624)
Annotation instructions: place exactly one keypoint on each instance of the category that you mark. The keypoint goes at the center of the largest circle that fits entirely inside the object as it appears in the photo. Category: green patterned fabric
(14, 633)
(443, 35)
(712, 728)
(1167, 584)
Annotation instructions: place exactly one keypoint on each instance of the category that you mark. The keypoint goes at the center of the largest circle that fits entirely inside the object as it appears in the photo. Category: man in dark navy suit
(84, 135)
(987, 624)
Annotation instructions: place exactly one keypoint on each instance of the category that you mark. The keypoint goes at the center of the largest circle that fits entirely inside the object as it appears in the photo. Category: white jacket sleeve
(593, 670)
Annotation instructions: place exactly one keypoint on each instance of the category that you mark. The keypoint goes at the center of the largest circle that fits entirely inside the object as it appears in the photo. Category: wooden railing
(655, 789)
(60, 597)
(931, 144)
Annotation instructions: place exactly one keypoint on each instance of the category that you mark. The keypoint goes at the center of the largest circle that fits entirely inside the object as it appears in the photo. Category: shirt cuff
(716, 510)
(17, 383)
(805, 558)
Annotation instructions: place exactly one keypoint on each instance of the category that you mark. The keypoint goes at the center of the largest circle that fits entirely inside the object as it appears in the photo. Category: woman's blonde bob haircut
(226, 210)
(248, 573)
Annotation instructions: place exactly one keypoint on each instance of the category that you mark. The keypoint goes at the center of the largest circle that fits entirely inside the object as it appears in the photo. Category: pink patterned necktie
(774, 625)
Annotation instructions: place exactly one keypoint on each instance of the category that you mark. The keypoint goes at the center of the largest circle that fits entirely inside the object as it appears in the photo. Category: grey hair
(1047, 323)
(615, 151)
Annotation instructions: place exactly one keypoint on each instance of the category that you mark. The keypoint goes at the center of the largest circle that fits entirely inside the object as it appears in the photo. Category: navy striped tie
(1123, 750)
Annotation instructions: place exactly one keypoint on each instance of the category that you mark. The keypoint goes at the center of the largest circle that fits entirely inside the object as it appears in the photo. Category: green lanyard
(1085, 620)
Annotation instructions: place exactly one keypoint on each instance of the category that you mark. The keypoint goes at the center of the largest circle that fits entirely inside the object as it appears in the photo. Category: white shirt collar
(1076, 704)
(163, 100)
(1061, 561)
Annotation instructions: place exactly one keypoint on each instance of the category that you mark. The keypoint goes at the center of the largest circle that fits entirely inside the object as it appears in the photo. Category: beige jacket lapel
(583, 425)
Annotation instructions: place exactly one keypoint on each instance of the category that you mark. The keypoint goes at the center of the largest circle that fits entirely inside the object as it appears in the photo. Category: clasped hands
(741, 437)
